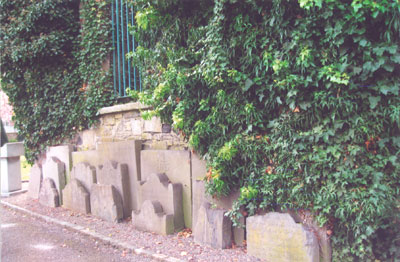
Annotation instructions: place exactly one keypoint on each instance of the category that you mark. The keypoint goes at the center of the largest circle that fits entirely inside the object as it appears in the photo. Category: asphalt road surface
(25, 238)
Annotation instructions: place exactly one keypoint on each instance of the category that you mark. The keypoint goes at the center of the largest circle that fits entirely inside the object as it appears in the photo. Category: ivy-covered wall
(295, 103)
(51, 63)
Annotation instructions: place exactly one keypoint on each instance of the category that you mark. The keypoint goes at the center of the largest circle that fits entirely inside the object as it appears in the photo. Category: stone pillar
(11, 168)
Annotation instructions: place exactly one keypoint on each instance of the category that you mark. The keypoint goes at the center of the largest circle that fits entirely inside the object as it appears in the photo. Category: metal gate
(126, 76)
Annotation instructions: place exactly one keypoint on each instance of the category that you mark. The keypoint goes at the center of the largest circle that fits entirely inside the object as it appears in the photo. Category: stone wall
(124, 122)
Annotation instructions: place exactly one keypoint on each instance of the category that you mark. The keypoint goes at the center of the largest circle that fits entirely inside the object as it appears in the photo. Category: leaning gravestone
(55, 169)
(277, 237)
(152, 218)
(84, 173)
(212, 227)
(48, 195)
(158, 188)
(113, 173)
(76, 197)
(35, 179)
(106, 203)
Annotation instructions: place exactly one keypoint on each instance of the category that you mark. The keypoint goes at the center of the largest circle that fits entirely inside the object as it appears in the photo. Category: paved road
(25, 238)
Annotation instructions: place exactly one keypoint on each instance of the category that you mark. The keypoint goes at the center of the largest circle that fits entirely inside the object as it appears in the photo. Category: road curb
(82, 230)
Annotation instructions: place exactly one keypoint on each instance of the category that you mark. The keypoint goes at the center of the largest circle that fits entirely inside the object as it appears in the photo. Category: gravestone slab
(277, 237)
(84, 173)
(213, 228)
(113, 173)
(55, 169)
(76, 197)
(127, 152)
(199, 197)
(63, 153)
(308, 219)
(176, 165)
(35, 179)
(152, 218)
(106, 203)
(48, 195)
(158, 188)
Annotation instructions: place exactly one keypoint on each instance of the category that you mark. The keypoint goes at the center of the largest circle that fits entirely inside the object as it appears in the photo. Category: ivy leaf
(278, 99)
(389, 89)
(247, 84)
(373, 101)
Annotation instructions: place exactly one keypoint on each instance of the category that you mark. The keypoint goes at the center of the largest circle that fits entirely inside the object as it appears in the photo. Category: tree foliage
(51, 67)
(295, 103)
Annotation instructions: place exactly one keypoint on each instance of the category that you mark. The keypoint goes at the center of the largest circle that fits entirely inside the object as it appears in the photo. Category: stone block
(55, 169)
(106, 203)
(85, 174)
(277, 237)
(76, 197)
(35, 180)
(63, 153)
(10, 168)
(158, 188)
(12, 150)
(48, 195)
(137, 126)
(176, 165)
(153, 125)
(152, 218)
(113, 173)
(87, 139)
(212, 227)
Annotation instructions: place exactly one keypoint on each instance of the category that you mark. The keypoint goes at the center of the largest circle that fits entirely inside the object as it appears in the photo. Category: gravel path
(181, 245)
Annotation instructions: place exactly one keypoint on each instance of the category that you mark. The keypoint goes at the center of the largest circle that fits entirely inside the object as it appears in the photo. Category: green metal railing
(126, 76)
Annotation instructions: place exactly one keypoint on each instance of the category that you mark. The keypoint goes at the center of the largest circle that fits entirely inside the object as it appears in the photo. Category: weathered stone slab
(10, 168)
(176, 165)
(84, 173)
(158, 188)
(126, 152)
(35, 179)
(199, 167)
(113, 173)
(76, 197)
(213, 228)
(55, 169)
(306, 218)
(106, 203)
(48, 195)
(277, 237)
(199, 197)
(63, 153)
(152, 218)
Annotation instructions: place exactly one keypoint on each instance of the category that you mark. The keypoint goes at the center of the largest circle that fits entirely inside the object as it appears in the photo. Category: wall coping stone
(123, 108)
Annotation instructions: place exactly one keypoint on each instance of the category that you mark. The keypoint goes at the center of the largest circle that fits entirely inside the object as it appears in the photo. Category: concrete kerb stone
(97, 236)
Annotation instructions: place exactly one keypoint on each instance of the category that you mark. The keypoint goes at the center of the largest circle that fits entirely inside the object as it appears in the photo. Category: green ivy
(294, 103)
(52, 60)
